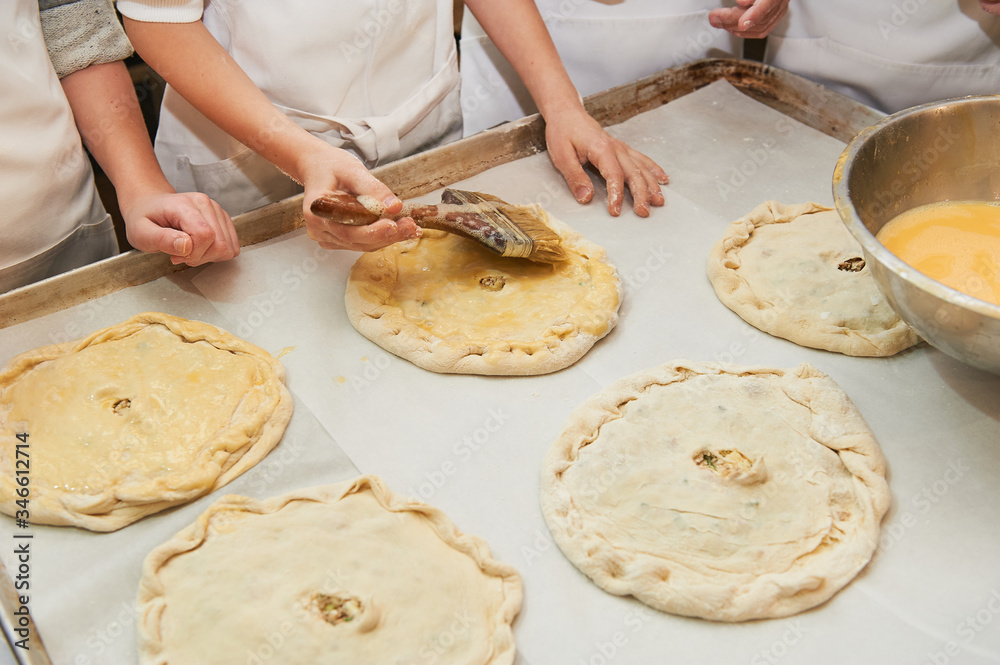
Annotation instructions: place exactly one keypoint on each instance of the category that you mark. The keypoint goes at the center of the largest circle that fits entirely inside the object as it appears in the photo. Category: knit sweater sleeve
(80, 33)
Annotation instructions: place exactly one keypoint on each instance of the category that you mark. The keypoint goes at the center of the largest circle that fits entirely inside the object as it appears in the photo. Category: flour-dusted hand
(575, 139)
(750, 19)
(190, 227)
(199, 68)
(327, 170)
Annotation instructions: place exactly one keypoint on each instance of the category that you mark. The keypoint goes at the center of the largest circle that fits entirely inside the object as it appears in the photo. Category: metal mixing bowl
(944, 151)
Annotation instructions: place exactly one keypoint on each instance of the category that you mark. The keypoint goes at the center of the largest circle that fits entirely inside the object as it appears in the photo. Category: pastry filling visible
(493, 282)
(802, 266)
(853, 264)
(335, 608)
(730, 464)
(724, 461)
(182, 397)
(776, 493)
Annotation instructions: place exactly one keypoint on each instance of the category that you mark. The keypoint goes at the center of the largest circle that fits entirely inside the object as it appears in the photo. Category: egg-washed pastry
(448, 305)
(795, 271)
(342, 574)
(147, 414)
(717, 491)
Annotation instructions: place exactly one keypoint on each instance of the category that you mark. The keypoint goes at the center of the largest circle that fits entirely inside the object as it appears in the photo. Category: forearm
(190, 59)
(572, 136)
(517, 29)
(191, 228)
(110, 121)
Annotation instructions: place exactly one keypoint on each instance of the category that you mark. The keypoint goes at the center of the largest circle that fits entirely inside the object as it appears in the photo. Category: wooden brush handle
(344, 209)
(482, 218)
(457, 218)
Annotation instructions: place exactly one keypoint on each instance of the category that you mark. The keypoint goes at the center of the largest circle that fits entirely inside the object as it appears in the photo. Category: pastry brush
(509, 230)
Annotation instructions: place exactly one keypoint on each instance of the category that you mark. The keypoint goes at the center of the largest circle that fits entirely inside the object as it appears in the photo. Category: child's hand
(191, 227)
(574, 139)
(750, 19)
(327, 170)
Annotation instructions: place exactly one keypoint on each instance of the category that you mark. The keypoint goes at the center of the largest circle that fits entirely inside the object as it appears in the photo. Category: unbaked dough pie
(448, 305)
(717, 491)
(149, 413)
(344, 574)
(795, 271)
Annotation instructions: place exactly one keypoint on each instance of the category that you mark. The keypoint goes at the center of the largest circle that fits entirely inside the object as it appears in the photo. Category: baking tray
(810, 103)
(937, 420)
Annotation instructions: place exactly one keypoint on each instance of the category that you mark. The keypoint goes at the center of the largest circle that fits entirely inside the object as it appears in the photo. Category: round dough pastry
(448, 305)
(717, 491)
(147, 414)
(795, 271)
(350, 573)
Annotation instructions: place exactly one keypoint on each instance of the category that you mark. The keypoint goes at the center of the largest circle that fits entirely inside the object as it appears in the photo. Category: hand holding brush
(509, 230)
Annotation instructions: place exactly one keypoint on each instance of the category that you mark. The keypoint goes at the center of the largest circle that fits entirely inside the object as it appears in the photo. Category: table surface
(472, 445)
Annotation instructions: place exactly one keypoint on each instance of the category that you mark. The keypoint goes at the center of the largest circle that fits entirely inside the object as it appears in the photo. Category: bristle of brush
(546, 245)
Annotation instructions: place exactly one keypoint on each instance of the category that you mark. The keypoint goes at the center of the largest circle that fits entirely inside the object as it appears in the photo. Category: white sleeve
(162, 11)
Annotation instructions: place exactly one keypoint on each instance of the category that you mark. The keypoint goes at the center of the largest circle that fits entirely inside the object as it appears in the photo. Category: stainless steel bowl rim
(867, 239)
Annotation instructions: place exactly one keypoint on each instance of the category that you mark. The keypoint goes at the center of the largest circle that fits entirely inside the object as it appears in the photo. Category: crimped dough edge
(371, 282)
(690, 592)
(736, 294)
(107, 510)
(151, 603)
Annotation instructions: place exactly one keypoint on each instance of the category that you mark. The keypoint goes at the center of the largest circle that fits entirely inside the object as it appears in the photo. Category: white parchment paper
(473, 445)
(83, 585)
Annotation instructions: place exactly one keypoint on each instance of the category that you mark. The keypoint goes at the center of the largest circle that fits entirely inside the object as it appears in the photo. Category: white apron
(51, 217)
(891, 54)
(601, 44)
(376, 77)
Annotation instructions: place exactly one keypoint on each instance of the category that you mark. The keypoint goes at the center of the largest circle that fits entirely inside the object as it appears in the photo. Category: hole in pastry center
(335, 608)
(493, 282)
(723, 462)
(121, 405)
(853, 264)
